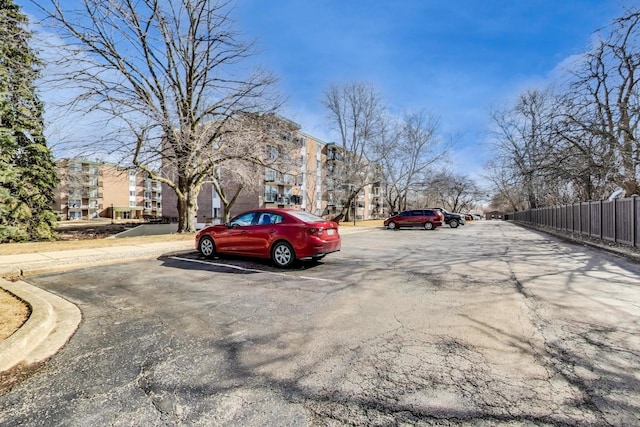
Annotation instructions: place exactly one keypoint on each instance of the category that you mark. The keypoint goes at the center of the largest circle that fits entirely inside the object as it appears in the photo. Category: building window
(75, 204)
(272, 152)
(289, 179)
(270, 175)
(287, 193)
(132, 193)
(132, 203)
(270, 193)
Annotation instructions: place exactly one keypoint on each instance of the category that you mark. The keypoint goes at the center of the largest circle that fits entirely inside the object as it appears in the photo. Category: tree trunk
(187, 210)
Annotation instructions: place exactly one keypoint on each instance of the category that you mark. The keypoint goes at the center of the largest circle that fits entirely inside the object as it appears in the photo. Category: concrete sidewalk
(46, 262)
(54, 320)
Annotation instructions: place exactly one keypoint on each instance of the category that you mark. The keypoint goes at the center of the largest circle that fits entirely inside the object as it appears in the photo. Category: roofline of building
(315, 138)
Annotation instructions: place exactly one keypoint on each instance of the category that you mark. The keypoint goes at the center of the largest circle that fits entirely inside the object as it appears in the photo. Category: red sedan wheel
(282, 254)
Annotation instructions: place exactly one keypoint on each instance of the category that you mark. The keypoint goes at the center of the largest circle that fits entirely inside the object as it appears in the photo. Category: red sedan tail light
(323, 232)
(314, 230)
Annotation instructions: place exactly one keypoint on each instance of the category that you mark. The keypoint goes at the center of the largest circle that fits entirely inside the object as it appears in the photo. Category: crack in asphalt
(164, 403)
(564, 356)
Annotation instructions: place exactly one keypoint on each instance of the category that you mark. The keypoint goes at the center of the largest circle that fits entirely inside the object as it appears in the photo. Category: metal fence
(615, 220)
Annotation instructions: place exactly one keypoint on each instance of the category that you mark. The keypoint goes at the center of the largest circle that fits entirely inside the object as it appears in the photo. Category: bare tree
(606, 101)
(356, 113)
(454, 192)
(170, 77)
(587, 166)
(505, 186)
(582, 144)
(407, 151)
(526, 143)
(312, 198)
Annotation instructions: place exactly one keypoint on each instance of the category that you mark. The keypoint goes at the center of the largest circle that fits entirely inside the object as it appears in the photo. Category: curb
(357, 229)
(51, 323)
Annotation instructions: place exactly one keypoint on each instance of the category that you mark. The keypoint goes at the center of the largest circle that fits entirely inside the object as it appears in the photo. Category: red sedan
(280, 234)
(427, 218)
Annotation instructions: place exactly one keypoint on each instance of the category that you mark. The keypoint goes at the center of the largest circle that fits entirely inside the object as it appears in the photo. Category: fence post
(633, 220)
(589, 216)
(580, 218)
(573, 210)
(601, 219)
(615, 220)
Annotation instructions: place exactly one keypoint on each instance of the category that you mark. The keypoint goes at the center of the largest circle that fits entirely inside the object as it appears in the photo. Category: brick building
(91, 190)
(306, 184)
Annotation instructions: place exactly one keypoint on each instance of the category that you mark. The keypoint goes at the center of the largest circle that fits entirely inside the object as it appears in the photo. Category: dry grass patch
(13, 313)
(367, 223)
(67, 245)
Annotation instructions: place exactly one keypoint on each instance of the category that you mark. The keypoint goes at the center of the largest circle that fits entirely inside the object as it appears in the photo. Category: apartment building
(145, 192)
(292, 185)
(298, 185)
(91, 190)
(369, 203)
(308, 178)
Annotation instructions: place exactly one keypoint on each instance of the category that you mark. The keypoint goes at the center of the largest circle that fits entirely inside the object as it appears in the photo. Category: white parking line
(254, 270)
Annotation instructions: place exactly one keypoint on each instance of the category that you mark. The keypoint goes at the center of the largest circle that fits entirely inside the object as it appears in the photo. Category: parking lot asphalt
(489, 324)
(53, 320)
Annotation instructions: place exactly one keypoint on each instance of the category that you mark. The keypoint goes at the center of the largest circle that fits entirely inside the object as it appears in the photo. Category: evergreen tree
(27, 169)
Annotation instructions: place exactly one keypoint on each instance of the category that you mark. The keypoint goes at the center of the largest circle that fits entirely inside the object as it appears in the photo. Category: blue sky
(455, 59)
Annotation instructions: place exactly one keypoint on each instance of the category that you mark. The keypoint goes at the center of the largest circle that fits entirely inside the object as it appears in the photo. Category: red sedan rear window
(306, 216)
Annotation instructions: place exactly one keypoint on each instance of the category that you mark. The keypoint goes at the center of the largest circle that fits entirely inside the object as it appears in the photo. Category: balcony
(280, 178)
(282, 200)
(286, 180)
(332, 156)
(77, 207)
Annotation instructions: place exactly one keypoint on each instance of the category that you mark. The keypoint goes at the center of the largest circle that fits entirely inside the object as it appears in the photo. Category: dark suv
(426, 218)
(453, 219)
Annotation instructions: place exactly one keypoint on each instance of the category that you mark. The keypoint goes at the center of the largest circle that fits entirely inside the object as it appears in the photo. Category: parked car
(279, 234)
(429, 219)
(453, 219)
